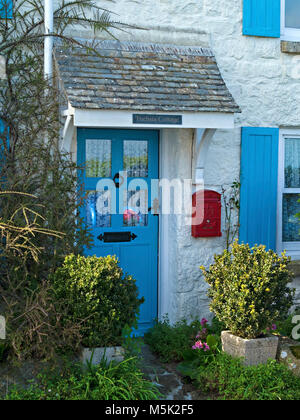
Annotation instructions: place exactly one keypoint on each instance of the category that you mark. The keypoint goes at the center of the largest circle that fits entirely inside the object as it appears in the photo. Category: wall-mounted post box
(206, 219)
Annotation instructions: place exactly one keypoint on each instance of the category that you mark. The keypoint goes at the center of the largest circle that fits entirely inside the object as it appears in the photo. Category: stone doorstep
(96, 355)
(253, 351)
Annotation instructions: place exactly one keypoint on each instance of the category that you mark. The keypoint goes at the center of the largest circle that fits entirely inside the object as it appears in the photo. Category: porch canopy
(144, 85)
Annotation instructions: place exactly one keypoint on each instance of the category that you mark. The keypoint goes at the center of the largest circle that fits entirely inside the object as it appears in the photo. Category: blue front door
(119, 167)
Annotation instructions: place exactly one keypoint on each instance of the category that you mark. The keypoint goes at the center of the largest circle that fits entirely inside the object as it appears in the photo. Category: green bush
(249, 289)
(229, 379)
(170, 342)
(99, 296)
(122, 381)
(286, 326)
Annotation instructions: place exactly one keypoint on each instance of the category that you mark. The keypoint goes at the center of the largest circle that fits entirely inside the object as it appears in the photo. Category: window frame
(292, 248)
(288, 34)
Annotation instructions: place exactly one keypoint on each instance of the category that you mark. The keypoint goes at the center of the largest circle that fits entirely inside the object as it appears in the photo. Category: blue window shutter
(259, 179)
(262, 18)
(6, 9)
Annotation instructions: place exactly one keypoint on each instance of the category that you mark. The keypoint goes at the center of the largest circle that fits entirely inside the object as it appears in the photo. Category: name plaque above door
(157, 119)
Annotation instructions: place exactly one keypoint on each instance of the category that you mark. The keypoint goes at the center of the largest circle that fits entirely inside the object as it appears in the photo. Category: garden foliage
(115, 381)
(249, 289)
(98, 296)
(40, 217)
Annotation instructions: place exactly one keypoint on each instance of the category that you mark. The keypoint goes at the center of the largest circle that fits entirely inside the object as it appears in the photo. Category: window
(290, 20)
(289, 193)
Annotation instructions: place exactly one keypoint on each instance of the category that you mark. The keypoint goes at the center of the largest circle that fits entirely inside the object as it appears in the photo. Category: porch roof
(143, 77)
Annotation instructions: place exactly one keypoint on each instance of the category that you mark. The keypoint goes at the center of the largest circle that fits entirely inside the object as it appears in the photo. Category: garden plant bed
(96, 355)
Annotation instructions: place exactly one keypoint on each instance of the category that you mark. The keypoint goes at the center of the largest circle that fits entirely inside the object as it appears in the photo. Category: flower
(274, 327)
(207, 348)
(201, 346)
(198, 345)
(202, 334)
(204, 322)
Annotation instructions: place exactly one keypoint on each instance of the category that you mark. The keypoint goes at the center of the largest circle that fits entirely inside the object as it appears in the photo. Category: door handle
(155, 214)
(121, 180)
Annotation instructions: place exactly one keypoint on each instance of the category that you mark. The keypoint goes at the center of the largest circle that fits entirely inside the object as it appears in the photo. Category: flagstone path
(169, 382)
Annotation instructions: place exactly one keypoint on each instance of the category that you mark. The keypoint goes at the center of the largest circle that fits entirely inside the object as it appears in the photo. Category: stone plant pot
(95, 355)
(254, 352)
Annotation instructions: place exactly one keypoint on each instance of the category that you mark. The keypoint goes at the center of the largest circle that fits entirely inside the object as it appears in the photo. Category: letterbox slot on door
(110, 237)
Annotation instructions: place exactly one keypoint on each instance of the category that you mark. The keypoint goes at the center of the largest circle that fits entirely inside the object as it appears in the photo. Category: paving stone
(167, 379)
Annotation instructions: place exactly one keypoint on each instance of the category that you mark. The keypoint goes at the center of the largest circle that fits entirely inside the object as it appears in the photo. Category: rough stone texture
(263, 81)
(290, 47)
(167, 379)
(254, 352)
(287, 357)
(96, 355)
(143, 77)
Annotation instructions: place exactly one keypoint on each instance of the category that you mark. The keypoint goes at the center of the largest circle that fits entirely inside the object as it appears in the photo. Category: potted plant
(101, 299)
(248, 291)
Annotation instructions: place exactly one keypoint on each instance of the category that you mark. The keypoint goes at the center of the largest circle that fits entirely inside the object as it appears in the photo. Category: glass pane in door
(136, 208)
(98, 158)
(98, 209)
(135, 158)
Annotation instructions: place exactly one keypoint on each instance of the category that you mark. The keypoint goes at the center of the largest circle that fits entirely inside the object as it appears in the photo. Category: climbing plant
(231, 200)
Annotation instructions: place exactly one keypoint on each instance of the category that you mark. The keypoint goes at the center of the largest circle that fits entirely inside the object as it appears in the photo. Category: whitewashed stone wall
(264, 83)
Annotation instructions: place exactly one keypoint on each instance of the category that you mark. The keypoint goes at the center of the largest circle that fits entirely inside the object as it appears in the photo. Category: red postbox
(207, 214)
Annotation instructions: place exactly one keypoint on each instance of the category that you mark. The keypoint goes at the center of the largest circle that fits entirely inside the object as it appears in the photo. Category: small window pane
(292, 14)
(98, 158)
(98, 209)
(291, 226)
(292, 163)
(136, 208)
(136, 158)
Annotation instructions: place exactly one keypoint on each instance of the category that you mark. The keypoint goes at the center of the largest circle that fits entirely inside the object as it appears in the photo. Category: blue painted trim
(262, 18)
(6, 14)
(259, 184)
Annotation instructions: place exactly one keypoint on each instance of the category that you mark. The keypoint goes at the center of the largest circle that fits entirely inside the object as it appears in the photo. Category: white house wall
(262, 80)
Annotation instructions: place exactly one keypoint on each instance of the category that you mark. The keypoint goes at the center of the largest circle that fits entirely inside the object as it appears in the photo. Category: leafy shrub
(171, 343)
(98, 296)
(285, 326)
(122, 381)
(202, 353)
(231, 380)
(3, 351)
(249, 289)
(33, 319)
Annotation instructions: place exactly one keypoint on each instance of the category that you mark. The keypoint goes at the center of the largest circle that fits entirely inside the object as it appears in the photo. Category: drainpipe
(48, 42)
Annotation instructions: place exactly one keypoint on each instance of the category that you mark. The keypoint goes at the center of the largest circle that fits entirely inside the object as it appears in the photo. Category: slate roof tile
(144, 77)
